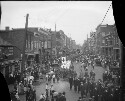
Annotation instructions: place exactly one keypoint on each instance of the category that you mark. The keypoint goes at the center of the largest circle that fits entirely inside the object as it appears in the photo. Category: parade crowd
(107, 89)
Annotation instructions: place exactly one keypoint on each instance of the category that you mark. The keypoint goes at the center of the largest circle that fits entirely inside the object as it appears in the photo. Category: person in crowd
(79, 84)
(90, 88)
(55, 94)
(30, 97)
(62, 97)
(34, 93)
(80, 99)
(82, 90)
(91, 74)
(84, 98)
(17, 97)
(27, 94)
(21, 88)
(106, 94)
(16, 86)
(99, 90)
(71, 82)
(47, 77)
(75, 84)
(95, 92)
(53, 78)
(57, 77)
(47, 91)
(42, 97)
(51, 89)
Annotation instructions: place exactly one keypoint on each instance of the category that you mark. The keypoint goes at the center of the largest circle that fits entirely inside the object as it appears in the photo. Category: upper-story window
(103, 41)
(103, 34)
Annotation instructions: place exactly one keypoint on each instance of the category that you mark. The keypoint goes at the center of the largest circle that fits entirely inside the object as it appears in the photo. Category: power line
(106, 13)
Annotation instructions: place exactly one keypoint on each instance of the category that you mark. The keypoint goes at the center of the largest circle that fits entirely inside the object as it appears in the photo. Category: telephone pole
(24, 48)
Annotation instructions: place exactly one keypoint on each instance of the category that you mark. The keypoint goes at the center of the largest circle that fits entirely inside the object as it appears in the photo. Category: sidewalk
(11, 88)
(23, 97)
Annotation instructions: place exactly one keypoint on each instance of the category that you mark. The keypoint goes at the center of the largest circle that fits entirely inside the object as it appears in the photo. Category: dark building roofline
(15, 30)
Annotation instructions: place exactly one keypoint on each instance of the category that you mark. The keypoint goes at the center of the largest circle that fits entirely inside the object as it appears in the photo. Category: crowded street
(64, 85)
(60, 51)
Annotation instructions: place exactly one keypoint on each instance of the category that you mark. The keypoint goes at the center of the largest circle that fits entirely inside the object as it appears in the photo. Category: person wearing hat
(42, 97)
(93, 98)
(84, 98)
(71, 82)
(34, 94)
(62, 97)
(15, 85)
(75, 84)
(95, 92)
(21, 88)
(80, 99)
(90, 88)
(78, 80)
(51, 89)
(82, 90)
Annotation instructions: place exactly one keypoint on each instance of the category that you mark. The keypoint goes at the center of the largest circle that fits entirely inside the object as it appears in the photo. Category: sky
(75, 18)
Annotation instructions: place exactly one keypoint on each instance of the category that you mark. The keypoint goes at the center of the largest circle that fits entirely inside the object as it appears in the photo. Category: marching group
(107, 89)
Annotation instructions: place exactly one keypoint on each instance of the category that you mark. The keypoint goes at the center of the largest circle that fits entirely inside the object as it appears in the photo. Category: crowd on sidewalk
(24, 85)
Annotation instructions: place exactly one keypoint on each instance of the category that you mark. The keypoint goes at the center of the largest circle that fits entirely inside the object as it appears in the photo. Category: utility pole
(51, 49)
(24, 48)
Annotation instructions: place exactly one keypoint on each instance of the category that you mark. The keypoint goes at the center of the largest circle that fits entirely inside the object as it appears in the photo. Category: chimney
(7, 28)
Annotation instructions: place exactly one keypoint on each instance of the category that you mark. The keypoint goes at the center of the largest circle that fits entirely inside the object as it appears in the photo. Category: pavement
(64, 85)
(98, 70)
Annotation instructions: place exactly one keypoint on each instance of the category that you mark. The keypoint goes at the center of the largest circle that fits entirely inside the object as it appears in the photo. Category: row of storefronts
(105, 42)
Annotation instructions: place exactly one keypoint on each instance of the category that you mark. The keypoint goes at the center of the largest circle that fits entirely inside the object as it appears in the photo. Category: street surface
(98, 70)
(64, 85)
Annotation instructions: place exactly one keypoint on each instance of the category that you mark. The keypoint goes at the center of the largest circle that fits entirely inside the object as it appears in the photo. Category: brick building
(108, 42)
(16, 38)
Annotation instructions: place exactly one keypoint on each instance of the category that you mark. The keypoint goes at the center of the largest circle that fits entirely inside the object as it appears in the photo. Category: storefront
(30, 59)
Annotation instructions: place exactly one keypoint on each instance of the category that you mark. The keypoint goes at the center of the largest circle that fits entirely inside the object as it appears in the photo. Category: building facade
(108, 42)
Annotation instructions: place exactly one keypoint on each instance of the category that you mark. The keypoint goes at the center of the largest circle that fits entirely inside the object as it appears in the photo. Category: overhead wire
(106, 14)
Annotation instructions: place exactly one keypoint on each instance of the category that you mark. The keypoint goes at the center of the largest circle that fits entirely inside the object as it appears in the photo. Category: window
(45, 44)
(32, 45)
(103, 41)
(103, 34)
(37, 45)
(111, 42)
(49, 44)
